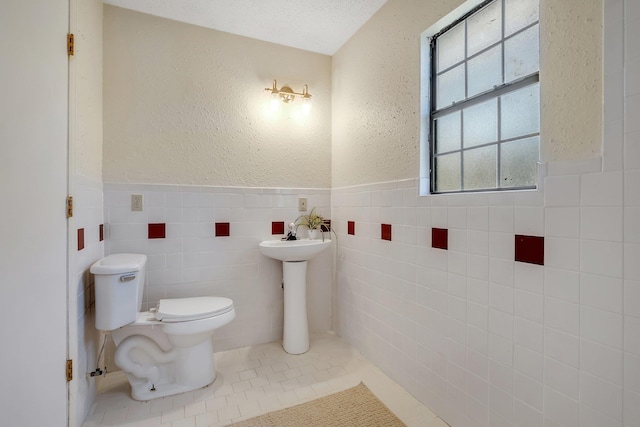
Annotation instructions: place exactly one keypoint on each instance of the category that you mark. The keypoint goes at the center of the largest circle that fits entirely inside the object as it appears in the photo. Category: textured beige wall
(376, 88)
(571, 79)
(376, 94)
(87, 90)
(186, 105)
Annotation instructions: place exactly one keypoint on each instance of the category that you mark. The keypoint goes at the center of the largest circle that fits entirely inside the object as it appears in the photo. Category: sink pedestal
(296, 329)
(294, 255)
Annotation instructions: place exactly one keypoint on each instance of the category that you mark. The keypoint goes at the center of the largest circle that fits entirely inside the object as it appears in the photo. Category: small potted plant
(313, 222)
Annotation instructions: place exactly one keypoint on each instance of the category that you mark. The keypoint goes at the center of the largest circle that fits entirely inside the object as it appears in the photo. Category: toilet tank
(119, 286)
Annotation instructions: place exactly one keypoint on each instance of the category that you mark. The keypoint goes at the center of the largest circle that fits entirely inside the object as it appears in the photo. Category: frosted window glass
(480, 123)
(485, 112)
(518, 14)
(448, 172)
(520, 112)
(448, 133)
(522, 54)
(450, 47)
(480, 168)
(450, 87)
(518, 162)
(484, 28)
(484, 71)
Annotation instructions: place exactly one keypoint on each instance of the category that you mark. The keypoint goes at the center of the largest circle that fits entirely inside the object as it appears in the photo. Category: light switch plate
(302, 204)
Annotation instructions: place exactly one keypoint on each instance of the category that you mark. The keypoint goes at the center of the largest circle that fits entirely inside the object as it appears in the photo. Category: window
(483, 121)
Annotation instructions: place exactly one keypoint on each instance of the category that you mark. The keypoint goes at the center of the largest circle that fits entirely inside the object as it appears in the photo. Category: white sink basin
(293, 250)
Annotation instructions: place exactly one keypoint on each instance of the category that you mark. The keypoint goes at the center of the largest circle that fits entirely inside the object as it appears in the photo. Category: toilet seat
(195, 308)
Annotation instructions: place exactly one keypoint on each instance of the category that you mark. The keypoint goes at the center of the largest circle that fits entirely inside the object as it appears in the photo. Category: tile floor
(255, 380)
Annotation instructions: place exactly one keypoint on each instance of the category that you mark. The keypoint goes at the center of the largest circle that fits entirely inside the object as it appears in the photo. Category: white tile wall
(88, 214)
(500, 342)
(191, 261)
(543, 344)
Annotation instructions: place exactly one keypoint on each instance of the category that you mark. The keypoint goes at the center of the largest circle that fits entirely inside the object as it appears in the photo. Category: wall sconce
(286, 95)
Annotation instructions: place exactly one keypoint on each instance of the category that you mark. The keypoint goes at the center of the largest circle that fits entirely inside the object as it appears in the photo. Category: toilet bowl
(163, 351)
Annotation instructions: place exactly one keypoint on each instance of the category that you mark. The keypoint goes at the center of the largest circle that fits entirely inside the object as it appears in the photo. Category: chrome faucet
(291, 235)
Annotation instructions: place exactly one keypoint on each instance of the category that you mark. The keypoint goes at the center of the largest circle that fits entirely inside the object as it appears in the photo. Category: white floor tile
(255, 380)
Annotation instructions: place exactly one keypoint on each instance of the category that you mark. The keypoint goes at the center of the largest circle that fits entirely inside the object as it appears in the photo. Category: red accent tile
(530, 249)
(385, 231)
(351, 228)
(80, 239)
(277, 227)
(157, 231)
(222, 229)
(440, 238)
(101, 232)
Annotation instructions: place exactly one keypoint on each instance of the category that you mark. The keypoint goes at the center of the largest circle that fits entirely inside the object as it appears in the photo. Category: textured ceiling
(321, 26)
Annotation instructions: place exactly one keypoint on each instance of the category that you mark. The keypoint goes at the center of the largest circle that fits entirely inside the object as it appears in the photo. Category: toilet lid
(185, 309)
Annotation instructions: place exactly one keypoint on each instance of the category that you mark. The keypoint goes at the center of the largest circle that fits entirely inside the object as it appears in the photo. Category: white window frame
(429, 112)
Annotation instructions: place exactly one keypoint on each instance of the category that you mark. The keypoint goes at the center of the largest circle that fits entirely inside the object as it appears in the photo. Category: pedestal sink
(294, 255)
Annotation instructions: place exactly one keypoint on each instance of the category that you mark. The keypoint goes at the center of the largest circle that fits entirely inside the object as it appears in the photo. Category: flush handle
(127, 278)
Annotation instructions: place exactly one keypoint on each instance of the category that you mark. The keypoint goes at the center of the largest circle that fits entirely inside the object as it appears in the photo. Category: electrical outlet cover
(136, 202)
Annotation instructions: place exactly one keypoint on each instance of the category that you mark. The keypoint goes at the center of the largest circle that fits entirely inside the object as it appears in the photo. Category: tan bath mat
(353, 407)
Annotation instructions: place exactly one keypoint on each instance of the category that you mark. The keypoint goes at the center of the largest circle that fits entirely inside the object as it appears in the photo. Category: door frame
(72, 237)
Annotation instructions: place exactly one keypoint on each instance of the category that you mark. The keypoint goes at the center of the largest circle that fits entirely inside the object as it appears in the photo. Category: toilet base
(143, 392)
(158, 365)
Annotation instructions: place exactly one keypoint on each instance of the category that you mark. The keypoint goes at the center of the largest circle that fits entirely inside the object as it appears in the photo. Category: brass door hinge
(69, 206)
(70, 45)
(69, 370)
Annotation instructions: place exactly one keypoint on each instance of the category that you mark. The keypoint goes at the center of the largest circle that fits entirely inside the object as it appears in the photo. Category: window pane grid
(520, 138)
(498, 143)
(477, 150)
(498, 184)
(466, 64)
(481, 97)
(467, 58)
(480, 52)
(502, 51)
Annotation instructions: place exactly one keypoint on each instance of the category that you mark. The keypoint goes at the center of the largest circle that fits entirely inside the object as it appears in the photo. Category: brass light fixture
(286, 95)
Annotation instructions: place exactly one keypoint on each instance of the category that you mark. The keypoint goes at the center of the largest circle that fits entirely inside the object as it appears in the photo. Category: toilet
(166, 350)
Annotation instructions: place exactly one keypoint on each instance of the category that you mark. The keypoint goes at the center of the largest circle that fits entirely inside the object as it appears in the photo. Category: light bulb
(275, 102)
(306, 106)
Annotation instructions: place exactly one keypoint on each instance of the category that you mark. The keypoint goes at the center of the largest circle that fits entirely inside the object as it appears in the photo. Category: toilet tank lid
(119, 263)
